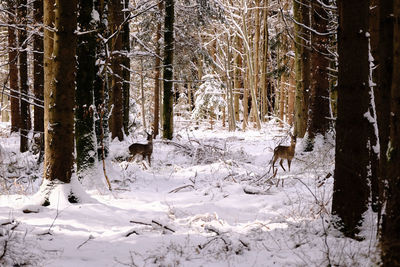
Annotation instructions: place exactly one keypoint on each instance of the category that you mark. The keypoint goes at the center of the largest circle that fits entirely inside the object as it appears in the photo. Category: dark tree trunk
(157, 75)
(391, 230)
(318, 122)
(116, 20)
(23, 76)
(38, 75)
(373, 139)
(86, 147)
(350, 195)
(168, 102)
(60, 93)
(126, 74)
(101, 89)
(382, 91)
(13, 67)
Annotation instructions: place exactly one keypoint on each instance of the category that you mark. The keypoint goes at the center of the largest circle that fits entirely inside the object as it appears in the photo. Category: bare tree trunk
(86, 145)
(264, 63)
(168, 103)
(157, 66)
(143, 98)
(126, 74)
(319, 97)
(25, 122)
(116, 20)
(391, 230)
(60, 89)
(13, 67)
(38, 75)
(350, 195)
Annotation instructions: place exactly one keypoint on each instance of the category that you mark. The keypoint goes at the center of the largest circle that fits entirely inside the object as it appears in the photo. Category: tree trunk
(59, 90)
(302, 66)
(350, 195)
(168, 113)
(382, 89)
(101, 88)
(157, 66)
(126, 74)
(319, 97)
(391, 231)
(13, 68)
(23, 76)
(86, 151)
(116, 20)
(264, 64)
(38, 75)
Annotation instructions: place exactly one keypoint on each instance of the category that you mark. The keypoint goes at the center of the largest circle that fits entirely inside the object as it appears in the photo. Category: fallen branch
(180, 188)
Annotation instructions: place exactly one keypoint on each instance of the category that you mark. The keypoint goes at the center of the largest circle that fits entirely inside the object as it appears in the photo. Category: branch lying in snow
(180, 188)
(152, 224)
(90, 238)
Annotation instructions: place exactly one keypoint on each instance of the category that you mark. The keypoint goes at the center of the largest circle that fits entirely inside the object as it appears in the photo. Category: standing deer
(143, 149)
(284, 152)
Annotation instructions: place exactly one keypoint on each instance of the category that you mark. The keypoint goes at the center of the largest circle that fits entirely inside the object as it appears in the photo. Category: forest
(200, 133)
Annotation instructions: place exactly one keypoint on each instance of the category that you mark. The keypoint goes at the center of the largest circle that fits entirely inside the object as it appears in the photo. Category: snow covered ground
(209, 199)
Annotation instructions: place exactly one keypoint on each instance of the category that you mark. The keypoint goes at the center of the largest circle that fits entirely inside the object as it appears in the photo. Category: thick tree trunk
(25, 122)
(59, 91)
(168, 113)
(302, 15)
(13, 67)
(319, 97)
(86, 146)
(382, 90)
(391, 231)
(38, 75)
(350, 196)
(116, 20)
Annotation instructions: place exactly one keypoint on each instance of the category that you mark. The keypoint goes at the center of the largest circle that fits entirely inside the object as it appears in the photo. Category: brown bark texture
(116, 20)
(391, 230)
(59, 95)
(350, 195)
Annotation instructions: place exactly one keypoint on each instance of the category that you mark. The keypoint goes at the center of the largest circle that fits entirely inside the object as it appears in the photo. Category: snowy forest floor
(209, 199)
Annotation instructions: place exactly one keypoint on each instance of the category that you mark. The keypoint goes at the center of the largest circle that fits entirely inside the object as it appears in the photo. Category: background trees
(257, 53)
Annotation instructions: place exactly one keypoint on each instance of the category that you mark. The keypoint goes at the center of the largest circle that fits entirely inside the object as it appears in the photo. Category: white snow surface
(208, 199)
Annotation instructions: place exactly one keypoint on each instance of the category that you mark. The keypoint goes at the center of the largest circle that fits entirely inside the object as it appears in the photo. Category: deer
(143, 149)
(284, 152)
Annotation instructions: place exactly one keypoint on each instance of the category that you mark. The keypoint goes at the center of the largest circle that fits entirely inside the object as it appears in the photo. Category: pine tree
(168, 113)
(350, 195)
(86, 152)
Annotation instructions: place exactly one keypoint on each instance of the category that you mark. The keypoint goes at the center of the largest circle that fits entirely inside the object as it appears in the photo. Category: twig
(180, 188)
(90, 238)
(163, 226)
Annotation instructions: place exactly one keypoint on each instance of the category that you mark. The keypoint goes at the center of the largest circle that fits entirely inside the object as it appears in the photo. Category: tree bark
(168, 101)
(157, 66)
(13, 67)
(302, 15)
(101, 88)
(86, 151)
(391, 231)
(382, 89)
(350, 195)
(38, 74)
(116, 20)
(25, 122)
(126, 74)
(59, 90)
(319, 97)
